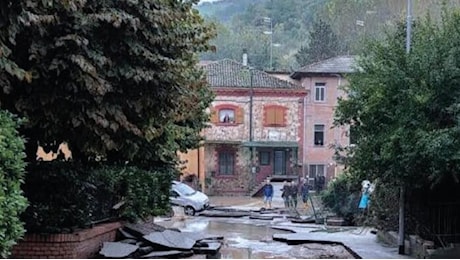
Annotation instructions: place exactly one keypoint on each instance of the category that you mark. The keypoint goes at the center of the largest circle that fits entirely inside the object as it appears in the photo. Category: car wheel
(189, 211)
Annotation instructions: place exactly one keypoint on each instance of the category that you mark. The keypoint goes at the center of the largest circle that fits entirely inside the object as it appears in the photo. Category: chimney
(245, 58)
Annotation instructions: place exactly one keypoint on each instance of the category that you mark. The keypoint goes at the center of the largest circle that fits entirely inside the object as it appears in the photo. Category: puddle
(253, 240)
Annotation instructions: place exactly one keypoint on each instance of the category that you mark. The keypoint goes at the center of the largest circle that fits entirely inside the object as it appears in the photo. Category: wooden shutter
(214, 116)
(279, 116)
(239, 115)
(270, 116)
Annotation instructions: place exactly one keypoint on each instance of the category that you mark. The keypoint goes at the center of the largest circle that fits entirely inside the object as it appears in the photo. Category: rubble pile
(155, 241)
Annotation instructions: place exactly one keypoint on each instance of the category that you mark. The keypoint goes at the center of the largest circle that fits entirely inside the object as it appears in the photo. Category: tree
(405, 107)
(12, 201)
(323, 44)
(115, 79)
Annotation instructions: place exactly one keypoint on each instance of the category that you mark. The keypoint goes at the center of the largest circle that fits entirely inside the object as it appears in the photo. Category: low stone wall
(80, 244)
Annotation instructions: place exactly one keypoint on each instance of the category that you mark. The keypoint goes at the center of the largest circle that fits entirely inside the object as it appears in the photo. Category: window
(264, 158)
(227, 116)
(319, 135)
(320, 90)
(226, 163)
(316, 176)
(274, 116)
(316, 170)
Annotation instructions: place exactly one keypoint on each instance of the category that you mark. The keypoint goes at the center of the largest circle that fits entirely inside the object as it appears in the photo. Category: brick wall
(81, 244)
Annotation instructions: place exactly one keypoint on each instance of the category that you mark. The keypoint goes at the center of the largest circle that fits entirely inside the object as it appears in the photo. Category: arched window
(227, 115)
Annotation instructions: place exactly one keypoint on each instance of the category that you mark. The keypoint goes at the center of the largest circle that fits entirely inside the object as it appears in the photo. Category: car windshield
(184, 189)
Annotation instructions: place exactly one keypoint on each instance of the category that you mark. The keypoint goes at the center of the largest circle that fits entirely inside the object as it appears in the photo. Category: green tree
(323, 44)
(12, 201)
(405, 107)
(116, 79)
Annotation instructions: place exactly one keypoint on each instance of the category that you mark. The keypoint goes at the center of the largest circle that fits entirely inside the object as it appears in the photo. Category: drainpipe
(304, 154)
(251, 96)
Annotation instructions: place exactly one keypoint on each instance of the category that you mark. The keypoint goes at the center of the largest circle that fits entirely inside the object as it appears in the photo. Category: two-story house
(323, 80)
(256, 128)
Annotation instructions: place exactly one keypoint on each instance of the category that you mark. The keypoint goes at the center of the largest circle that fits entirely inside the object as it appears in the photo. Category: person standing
(268, 194)
(285, 194)
(294, 192)
(304, 192)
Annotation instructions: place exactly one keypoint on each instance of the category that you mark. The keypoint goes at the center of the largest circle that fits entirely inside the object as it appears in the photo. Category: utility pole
(402, 190)
(251, 128)
(269, 20)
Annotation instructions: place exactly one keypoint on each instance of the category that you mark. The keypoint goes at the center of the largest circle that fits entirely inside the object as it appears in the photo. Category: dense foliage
(241, 25)
(12, 201)
(323, 44)
(116, 80)
(405, 107)
(342, 197)
(66, 196)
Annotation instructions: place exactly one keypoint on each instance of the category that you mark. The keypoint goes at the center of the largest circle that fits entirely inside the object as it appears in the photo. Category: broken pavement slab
(197, 236)
(211, 248)
(261, 217)
(362, 245)
(169, 253)
(140, 230)
(225, 214)
(117, 250)
(171, 239)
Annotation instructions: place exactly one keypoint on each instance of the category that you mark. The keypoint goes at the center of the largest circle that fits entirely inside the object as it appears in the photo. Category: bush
(342, 197)
(12, 201)
(65, 196)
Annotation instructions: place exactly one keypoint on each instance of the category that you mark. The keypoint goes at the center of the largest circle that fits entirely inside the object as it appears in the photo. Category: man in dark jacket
(304, 191)
(268, 194)
(293, 194)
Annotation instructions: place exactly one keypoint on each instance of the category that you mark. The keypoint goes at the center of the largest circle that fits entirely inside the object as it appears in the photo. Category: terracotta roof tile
(228, 73)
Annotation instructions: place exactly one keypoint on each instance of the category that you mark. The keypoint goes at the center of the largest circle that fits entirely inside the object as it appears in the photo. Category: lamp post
(402, 189)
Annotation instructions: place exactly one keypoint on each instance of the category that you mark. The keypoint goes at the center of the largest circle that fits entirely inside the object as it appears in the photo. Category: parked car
(192, 200)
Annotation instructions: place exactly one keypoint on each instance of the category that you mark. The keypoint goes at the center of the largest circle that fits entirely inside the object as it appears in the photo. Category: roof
(228, 73)
(336, 65)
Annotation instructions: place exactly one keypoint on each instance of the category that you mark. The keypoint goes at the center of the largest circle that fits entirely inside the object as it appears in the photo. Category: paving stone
(168, 253)
(171, 239)
(117, 250)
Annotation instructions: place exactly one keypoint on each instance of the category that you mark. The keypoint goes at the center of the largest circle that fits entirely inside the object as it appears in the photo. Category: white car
(183, 195)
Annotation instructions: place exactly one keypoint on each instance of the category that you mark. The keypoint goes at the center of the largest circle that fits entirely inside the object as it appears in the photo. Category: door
(279, 162)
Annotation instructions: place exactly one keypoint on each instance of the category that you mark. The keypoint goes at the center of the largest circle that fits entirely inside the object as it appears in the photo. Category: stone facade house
(256, 128)
(323, 81)
(289, 127)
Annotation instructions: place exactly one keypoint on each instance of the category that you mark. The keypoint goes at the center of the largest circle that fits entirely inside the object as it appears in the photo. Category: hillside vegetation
(241, 25)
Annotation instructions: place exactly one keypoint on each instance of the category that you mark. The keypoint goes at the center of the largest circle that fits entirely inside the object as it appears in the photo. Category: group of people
(290, 192)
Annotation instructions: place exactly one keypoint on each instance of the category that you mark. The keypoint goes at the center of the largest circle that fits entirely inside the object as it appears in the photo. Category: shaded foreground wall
(81, 244)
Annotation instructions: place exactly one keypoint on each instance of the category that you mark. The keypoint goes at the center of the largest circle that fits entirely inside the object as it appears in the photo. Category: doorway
(279, 162)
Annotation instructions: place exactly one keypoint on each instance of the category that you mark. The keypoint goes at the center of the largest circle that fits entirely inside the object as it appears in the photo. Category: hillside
(243, 24)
